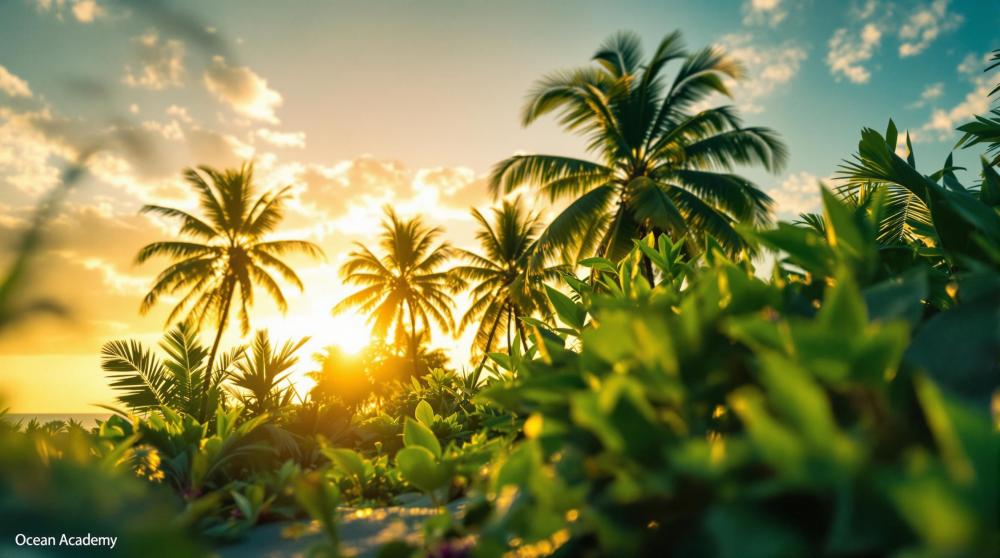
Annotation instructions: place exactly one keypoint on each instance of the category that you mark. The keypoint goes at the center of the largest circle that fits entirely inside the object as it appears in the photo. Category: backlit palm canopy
(224, 254)
(506, 287)
(661, 163)
(406, 286)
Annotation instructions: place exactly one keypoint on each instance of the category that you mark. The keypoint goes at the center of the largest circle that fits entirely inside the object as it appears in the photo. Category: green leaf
(418, 467)
(348, 461)
(602, 264)
(571, 313)
(416, 434)
(424, 413)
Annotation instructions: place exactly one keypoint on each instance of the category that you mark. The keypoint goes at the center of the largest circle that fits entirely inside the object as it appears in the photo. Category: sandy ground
(362, 531)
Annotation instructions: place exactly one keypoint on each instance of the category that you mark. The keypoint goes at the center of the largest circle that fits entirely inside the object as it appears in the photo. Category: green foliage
(52, 483)
(146, 382)
(260, 373)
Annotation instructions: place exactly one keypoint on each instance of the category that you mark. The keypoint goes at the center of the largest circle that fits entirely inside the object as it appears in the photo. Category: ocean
(88, 420)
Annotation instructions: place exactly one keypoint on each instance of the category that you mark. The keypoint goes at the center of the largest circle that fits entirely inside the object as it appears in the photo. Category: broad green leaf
(571, 313)
(416, 434)
(424, 413)
(348, 461)
(419, 467)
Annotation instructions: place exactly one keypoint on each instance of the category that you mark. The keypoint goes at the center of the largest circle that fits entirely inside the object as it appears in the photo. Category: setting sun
(351, 332)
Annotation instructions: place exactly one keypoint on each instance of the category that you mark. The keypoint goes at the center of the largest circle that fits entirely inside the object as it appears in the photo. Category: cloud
(28, 151)
(931, 91)
(764, 12)
(798, 193)
(767, 68)
(13, 86)
(924, 26)
(161, 63)
(282, 139)
(942, 122)
(973, 64)
(84, 11)
(243, 90)
(848, 52)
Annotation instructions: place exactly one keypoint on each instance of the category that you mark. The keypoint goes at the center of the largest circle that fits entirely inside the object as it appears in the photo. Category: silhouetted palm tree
(659, 163)
(507, 287)
(224, 254)
(406, 284)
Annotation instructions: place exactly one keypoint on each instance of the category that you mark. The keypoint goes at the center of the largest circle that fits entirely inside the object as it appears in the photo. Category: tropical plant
(223, 255)
(405, 285)
(507, 287)
(260, 372)
(661, 160)
(985, 128)
(146, 382)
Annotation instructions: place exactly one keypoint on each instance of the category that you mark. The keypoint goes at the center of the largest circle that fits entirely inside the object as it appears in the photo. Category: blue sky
(365, 103)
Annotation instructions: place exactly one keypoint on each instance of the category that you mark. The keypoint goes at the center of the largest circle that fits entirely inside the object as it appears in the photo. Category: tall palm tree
(223, 255)
(660, 165)
(406, 284)
(507, 287)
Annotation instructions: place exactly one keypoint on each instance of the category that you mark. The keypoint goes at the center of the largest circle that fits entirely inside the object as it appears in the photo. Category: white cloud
(282, 139)
(243, 90)
(161, 63)
(767, 69)
(27, 153)
(941, 124)
(931, 91)
(798, 193)
(924, 26)
(767, 12)
(12, 85)
(84, 11)
(849, 52)
(973, 64)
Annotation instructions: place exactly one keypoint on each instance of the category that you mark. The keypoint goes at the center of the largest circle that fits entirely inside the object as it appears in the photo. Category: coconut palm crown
(506, 287)
(406, 287)
(661, 163)
(224, 255)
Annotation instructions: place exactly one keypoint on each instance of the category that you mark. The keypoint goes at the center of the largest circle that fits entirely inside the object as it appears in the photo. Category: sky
(362, 104)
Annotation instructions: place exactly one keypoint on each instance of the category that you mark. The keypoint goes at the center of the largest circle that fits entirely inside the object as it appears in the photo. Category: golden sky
(362, 104)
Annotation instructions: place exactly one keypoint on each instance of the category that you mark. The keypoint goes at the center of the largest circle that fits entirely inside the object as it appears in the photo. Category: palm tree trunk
(489, 342)
(520, 330)
(510, 345)
(230, 289)
(413, 337)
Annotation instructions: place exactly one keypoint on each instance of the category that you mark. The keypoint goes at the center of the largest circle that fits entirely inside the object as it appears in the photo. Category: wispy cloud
(282, 139)
(84, 11)
(767, 68)
(243, 90)
(924, 25)
(13, 86)
(161, 63)
(931, 92)
(849, 52)
(764, 12)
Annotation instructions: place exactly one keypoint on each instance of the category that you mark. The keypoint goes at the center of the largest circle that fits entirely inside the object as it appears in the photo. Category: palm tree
(406, 284)
(507, 286)
(660, 165)
(224, 254)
